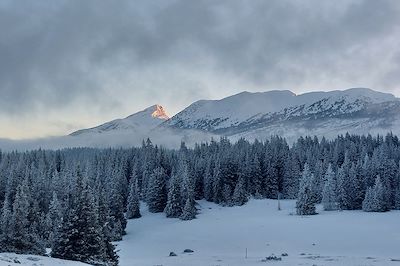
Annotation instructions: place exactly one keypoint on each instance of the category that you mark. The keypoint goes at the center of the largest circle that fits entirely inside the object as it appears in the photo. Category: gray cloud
(114, 57)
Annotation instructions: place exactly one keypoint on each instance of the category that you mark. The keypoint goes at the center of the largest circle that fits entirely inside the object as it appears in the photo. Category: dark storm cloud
(56, 53)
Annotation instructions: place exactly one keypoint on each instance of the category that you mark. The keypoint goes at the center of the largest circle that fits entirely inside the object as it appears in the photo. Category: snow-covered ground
(220, 236)
(13, 259)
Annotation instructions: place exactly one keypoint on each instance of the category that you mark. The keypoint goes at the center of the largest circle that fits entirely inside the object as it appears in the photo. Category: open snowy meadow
(220, 236)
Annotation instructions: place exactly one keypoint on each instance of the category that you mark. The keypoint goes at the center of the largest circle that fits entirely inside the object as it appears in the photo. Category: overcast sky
(65, 65)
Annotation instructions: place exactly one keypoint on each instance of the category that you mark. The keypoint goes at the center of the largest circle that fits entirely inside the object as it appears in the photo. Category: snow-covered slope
(127, 132)
(12, 259)
(275, 112)
(221, 235)
(246, 108)
(140, 122)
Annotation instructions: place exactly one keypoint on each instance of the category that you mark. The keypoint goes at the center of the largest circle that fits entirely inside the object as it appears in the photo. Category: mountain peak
(141, 122)
(159, 112)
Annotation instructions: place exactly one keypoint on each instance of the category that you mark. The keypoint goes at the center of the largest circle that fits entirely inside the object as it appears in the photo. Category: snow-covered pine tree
(157, 191)
(189, 211)
(116, 207)
(109, 253)
(346, 186)
(379, 203)
(291, 177)
(80, 236)
(367, 204)
(397, 199)
(227, 195)
(5, 226)
(21, 238)
(53, 219)
(174, 203)
(375, 198)
(208, 182)
(329, 197)
(133, 205)
(239, 197)
(305, 204)
(254, 173)
(217, 183)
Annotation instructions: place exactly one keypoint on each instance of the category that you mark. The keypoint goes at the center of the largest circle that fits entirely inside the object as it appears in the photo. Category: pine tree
(80, 236)
(5, 226)
(133, 207)
(397, 199)
(217, 184)
(157, 191)
(305, 204)
(375, 198)
(174, 203)
(189, 211)
(329, 197)
(367, 204)
(53, 219)
(208, 183)
(19, 236)
(379, 203)
(226, 193)
(291, 177)
(110, 254)
(239, 197)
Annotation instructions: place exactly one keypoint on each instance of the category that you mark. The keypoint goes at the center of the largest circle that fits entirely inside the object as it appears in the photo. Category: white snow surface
(220, 235)
(12, 259)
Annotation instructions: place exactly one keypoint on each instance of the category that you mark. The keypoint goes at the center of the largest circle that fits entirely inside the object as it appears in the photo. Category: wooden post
(279, 201)
(246, 254)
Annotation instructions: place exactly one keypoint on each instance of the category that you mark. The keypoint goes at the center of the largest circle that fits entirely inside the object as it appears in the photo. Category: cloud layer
(82, 62)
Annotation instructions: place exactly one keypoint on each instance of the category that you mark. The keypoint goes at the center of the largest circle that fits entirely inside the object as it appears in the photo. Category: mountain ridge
(259, 115)
(142, 121)
(218, 115)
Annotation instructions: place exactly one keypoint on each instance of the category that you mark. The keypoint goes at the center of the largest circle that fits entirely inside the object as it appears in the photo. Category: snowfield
(13, 259)
(220, 235)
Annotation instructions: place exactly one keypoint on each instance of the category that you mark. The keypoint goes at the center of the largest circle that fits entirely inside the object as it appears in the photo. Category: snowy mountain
(261, 114)
(140, 122)
(250, 115)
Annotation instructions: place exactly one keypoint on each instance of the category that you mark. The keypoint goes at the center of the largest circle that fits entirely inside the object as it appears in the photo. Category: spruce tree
(375, 198)
(329, 196)
(208, 183)
(157, 191)
(53, 219)
(227, 195)
(174, 203)
(239, 197)
(305, 204)
(5, 226)
(367, 204)
(133, 206)
(109, 252)
(379, 203)
(189, 211)
(80, 236)
(19, 236)
(397, 199)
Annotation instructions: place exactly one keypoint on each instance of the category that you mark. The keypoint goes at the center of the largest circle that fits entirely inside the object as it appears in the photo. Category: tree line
(77, 201)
